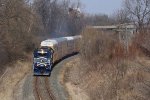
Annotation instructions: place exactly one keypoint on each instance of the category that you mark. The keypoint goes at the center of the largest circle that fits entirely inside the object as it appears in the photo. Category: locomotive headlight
(42, 51)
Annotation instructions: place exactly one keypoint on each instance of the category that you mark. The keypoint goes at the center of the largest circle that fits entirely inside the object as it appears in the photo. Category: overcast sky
(101, 6)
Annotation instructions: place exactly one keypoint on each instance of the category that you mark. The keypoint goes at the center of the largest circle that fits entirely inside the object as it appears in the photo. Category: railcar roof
(69, 38)
(55, 41)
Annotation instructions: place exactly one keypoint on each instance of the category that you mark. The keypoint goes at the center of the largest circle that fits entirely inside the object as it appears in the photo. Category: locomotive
(51, 51)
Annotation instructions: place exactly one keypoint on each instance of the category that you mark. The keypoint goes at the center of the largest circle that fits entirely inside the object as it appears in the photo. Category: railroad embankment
(11, 78)
(70, 79)
(130, 82)
(108, 69)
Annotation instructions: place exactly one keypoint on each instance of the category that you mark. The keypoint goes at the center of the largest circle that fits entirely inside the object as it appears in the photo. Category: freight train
(51, 51)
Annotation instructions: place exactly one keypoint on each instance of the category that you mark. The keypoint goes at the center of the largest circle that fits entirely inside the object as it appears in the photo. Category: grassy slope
(108, 83)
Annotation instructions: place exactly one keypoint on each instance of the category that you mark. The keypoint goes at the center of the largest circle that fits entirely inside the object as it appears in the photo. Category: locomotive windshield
(46, 55)
(42, 53)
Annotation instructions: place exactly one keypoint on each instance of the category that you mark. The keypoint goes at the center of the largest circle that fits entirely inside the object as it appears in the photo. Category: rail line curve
(42, 89)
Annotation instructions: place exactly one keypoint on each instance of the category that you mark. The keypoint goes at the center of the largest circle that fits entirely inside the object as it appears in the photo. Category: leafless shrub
(125, 80)
(98, 47)
(109, 69)
(141, 40)
(17, 29)
(139, 12)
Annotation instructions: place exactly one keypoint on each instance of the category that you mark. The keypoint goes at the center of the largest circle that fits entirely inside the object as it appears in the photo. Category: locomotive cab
(43, 60)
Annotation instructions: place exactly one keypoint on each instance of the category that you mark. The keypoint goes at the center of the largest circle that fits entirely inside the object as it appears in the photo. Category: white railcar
(62, 46)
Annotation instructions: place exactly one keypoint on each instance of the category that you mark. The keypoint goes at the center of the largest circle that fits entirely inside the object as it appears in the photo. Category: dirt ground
(75, 92)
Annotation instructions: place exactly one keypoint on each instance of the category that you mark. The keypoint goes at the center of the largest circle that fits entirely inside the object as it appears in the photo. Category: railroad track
(42, 89)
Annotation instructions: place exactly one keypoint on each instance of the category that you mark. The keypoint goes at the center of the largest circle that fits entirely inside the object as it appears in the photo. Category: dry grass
(10, 80)
(98, 47)
(129, 80)
(106, 71)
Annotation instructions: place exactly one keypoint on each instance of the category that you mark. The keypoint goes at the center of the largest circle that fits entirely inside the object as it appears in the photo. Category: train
(51, 51)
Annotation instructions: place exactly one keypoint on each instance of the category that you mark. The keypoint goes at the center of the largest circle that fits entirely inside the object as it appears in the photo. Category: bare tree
(52, 13)
(139, 11)
(55, 17)
(17, 21)
(122, 16)
(99, 20)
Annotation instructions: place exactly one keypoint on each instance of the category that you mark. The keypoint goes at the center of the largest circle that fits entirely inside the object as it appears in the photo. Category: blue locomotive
(43, 61)
(51, 51)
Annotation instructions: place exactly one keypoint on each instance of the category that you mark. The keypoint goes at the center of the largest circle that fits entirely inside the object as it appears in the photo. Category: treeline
(99, 20)
(55, 18)
(24, 22)
(18, 26)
